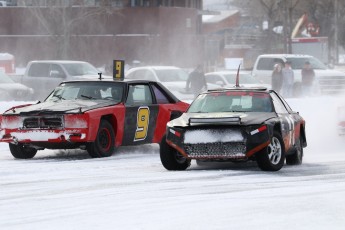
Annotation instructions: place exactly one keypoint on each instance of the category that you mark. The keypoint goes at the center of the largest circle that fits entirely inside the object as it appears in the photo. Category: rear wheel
(272, 157)
(22, 152)
(297, 156)
(171, 159)
(104, 144)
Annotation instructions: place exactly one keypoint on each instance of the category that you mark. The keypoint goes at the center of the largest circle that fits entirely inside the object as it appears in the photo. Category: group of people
(283, 79)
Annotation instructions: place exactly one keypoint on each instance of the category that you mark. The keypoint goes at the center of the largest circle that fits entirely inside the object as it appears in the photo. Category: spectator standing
(196, 81)
(308, 76)
(288, 80)
(277, 78)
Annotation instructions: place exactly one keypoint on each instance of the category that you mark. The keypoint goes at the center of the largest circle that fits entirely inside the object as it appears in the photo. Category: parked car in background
(11, 90)
(96, 115)
(174, 78)
(44, 75)
(328, 81)
(227, 78)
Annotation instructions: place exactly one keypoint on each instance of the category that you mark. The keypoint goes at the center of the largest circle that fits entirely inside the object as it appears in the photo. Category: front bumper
(237, 143)
(51, 136)
(44, 128)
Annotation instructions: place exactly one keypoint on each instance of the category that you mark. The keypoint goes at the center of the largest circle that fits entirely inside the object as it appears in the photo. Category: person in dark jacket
(288, 80)
(196, 81)
(308, 76)
(277, 78)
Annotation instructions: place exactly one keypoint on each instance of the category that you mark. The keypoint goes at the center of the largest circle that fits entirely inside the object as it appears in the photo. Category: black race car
(237, 124)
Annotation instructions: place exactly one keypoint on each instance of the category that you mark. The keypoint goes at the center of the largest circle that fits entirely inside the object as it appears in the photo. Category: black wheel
(272, 157)
(171, 158)
(297, 156)
(22, 152)
(104, 144)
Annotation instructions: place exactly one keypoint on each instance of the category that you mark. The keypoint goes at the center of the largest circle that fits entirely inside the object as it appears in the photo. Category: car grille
(43, 123)
(231, 150)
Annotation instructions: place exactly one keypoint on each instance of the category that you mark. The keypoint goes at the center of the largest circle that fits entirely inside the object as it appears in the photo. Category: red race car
(96, 115)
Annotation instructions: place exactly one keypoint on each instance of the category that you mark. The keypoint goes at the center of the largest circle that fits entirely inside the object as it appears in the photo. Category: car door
(289, 120)
(141, 115)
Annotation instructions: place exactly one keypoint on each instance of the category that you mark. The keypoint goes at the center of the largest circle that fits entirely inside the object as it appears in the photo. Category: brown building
(166, 32)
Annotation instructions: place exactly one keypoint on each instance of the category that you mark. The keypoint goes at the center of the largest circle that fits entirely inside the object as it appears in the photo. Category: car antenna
(238, 77)
(100, 76)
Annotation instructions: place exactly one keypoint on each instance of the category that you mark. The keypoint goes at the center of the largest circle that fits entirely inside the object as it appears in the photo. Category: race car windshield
(233, 101)
(87, 91)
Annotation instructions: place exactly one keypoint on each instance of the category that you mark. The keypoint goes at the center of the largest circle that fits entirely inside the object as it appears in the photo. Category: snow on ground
(131, 189)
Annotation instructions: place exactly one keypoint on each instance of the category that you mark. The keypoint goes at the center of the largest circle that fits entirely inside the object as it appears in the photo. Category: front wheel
(272, 157)
(22, 152)
(104, 144)
(171, 159)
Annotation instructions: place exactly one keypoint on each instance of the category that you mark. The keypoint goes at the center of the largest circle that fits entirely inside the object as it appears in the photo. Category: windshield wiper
(60, 97)
(235, 111)
(88, 97)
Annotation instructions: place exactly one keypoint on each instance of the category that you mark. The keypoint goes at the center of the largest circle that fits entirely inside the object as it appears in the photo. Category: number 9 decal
(118, 68)
(143, 116)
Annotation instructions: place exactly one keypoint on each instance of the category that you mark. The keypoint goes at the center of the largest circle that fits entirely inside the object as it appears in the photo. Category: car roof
(96, 79)
(247, 89)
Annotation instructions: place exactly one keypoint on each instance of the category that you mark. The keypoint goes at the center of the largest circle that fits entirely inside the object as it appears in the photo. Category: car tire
(297, 157)
(22, 152)
(171, 159)
(104, 144)
(272, 157)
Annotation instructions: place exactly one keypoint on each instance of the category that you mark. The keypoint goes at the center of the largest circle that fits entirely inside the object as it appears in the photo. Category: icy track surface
(131, 189)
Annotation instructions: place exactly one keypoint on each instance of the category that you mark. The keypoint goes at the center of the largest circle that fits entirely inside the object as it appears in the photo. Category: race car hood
(59, 107)
(231, 118)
